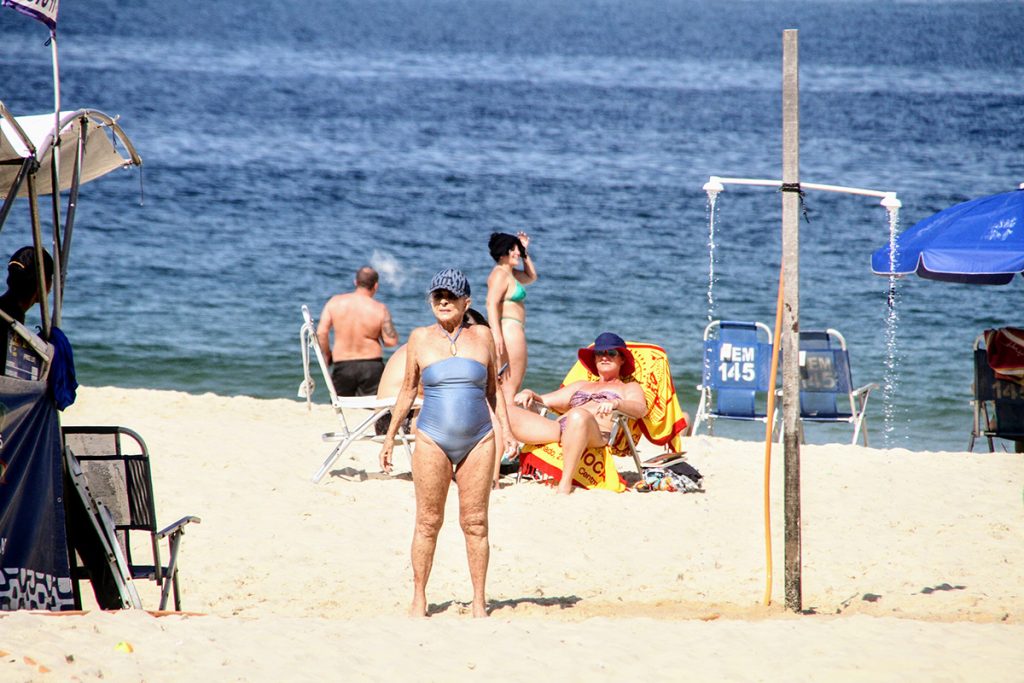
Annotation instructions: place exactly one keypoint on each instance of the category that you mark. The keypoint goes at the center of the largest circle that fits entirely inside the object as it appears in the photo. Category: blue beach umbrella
(979, 242)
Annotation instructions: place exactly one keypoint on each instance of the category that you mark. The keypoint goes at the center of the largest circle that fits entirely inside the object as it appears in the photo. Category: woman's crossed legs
(579, 432)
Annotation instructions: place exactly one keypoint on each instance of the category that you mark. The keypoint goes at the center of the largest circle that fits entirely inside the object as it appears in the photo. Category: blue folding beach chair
(737, 364)
(826, 384)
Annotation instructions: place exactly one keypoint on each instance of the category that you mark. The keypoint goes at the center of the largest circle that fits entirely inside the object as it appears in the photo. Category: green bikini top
(518, 294)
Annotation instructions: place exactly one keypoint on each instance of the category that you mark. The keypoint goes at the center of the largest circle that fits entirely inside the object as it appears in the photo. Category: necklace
(452, 339)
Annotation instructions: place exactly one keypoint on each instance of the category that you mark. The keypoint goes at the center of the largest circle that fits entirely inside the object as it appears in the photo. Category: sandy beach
(913, 567)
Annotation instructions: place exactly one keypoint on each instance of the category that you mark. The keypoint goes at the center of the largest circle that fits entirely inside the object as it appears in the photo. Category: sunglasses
(439, 294)
(610, 353)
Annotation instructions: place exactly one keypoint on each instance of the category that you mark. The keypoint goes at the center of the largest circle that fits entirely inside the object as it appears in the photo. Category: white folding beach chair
(376, 407)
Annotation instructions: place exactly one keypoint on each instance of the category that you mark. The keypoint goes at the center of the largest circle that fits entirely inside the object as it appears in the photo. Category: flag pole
(46, 12)
(58, 285)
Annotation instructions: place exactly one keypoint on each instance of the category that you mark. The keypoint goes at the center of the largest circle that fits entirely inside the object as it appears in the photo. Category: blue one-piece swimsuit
(454, 412)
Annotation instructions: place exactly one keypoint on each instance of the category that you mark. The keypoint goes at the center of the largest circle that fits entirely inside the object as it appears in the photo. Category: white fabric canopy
(101, 155)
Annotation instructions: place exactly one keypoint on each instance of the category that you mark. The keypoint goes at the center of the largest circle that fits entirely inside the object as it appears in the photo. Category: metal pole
(805, 186)
(69, 219)
(27, 167)
(791, 311)
(55, 179)
(37, 240)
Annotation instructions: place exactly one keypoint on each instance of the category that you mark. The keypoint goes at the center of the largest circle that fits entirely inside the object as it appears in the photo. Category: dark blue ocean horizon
(285, 146)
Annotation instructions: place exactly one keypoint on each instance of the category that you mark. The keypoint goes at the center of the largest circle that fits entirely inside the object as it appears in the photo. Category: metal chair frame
(377, 407)
(826, 382)
(996, 402)
(743, 366)
(115, 464)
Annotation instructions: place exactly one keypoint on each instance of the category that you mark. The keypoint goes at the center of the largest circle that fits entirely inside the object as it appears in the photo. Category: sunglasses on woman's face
(610, 353)
(439, 294)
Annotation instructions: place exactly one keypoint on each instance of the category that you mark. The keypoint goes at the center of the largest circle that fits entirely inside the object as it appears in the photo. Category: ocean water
(287, 144)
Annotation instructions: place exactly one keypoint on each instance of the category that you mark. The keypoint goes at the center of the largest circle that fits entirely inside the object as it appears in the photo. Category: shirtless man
(360, 326)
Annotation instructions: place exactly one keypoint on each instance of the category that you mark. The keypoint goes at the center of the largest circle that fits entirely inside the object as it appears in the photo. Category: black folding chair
(998, 404)
(115, 463)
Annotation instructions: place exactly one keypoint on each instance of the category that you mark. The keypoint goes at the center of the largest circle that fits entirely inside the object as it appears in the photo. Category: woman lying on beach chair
(611, 377)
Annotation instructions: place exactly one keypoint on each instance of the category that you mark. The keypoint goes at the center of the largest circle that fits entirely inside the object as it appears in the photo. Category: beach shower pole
(791, 197)
(715, 186)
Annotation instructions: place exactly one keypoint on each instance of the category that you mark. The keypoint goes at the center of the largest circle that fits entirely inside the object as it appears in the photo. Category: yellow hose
(769, 423)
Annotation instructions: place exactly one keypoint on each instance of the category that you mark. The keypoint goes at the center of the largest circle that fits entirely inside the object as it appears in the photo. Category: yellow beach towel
(596, 469)
(663, 425)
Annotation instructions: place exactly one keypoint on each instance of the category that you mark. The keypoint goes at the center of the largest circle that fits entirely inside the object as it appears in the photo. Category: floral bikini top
(581, 397)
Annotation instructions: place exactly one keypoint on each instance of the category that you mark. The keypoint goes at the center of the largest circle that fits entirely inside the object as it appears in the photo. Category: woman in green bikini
(505, 295)
(507, 312)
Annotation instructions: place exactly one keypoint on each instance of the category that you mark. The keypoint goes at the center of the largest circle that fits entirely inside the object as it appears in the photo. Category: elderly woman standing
(456, 365)
(586, 407)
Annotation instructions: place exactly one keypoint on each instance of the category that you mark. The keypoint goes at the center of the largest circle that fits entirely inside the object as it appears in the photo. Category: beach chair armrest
(622, 421)
(167, 576)
(177, 527)
(865, 389)
(543, 410)
(364, 402)
(371, 402)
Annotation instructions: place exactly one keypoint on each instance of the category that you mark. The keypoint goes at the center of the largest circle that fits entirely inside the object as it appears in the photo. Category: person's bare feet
(418, 608)
(480, 611)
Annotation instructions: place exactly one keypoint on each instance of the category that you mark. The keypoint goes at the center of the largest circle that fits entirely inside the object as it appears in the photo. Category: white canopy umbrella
(31, 137)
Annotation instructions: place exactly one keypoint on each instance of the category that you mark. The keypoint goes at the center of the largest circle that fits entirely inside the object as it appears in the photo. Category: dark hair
(21, 271)
(474, 317)
(501, 243)
(366, 277)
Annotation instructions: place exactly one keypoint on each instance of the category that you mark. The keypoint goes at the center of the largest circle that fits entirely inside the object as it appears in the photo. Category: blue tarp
(34, 572)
